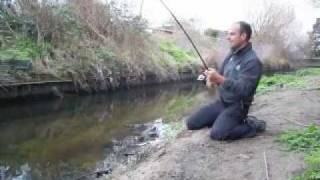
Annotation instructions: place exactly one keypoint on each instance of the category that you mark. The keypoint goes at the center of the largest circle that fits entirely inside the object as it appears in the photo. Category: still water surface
(57, 139)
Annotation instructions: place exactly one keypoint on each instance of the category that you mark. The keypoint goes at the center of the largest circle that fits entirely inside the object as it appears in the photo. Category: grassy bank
(306, 140)
(298, 79)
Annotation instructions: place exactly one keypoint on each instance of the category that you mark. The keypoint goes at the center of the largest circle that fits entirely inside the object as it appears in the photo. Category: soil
(193, 155)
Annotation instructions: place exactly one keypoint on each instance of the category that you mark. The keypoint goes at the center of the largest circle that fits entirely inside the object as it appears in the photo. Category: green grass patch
(180, 55)
(308, 142)
(296, 79)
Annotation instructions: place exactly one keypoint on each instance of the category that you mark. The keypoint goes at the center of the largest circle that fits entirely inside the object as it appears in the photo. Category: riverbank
(63, 48)
(58, 88)
(287, 103)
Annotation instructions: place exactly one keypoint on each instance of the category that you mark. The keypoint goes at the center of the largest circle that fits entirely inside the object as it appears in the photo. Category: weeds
(308, 142)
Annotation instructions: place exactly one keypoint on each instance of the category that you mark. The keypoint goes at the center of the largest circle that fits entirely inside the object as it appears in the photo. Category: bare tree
(275, 30)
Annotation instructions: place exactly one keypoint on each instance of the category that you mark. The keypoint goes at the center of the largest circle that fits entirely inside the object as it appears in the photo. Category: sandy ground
(192, 155)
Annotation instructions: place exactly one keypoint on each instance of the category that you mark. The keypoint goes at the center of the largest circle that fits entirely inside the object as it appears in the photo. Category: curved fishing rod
(185, 32)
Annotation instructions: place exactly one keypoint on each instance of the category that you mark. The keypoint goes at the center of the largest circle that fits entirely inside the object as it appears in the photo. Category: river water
(57, 139)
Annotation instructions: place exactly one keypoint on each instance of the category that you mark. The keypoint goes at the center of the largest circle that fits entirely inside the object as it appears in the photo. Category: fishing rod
(185, 32)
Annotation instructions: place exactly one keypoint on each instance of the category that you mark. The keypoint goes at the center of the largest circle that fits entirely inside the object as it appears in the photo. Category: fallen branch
(266, 165)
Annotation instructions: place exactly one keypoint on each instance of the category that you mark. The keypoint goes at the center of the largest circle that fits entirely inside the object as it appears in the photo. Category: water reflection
(58, 139)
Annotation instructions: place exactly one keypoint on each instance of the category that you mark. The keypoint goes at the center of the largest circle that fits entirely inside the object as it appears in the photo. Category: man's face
(235, 38)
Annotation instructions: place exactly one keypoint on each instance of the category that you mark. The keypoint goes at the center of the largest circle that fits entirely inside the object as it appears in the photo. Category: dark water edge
(25, 91)
(61, 138)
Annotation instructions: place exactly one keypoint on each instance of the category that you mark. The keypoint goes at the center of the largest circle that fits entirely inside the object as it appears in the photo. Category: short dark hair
(245, 28)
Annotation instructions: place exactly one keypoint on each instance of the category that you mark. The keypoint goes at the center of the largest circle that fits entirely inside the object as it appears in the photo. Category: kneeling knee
(190, 125)
(218, 135)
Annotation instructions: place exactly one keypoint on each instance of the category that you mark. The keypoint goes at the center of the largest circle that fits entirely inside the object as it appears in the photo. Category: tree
(276, 32)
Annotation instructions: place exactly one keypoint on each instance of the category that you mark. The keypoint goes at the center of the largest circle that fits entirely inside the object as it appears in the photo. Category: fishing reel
(202, 77)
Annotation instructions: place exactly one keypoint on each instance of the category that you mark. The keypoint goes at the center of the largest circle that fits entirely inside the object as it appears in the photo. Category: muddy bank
(40, 86)
(192, 155)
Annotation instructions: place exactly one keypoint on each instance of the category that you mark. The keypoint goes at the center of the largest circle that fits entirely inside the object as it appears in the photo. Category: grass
(308, 142)
(296, 79)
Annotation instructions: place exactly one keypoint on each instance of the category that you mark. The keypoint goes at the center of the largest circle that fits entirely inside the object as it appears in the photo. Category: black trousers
(226, 121)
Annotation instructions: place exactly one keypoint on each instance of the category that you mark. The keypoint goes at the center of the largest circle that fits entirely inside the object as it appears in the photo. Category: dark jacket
(242, 70)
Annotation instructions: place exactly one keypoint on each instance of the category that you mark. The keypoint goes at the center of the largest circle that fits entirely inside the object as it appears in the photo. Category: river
(60, 139)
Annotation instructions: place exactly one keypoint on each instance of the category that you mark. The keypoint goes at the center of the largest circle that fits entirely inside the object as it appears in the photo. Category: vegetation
(80, 39)
(308, 142)
(298, 79)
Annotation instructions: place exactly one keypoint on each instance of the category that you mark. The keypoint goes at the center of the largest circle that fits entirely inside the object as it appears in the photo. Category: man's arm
(249, 76)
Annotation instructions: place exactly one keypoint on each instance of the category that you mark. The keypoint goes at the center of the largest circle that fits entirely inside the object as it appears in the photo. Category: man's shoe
(258, 125)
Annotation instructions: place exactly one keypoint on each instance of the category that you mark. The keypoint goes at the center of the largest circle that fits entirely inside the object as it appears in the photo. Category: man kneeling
(237, 81)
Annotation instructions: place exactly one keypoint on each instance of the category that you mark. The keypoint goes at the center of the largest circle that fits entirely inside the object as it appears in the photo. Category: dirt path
(194, 156)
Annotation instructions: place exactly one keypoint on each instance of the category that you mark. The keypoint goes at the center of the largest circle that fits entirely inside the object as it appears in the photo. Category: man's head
(239, 34)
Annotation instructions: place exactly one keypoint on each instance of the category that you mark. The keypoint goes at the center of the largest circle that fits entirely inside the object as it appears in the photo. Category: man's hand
(213, 77)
